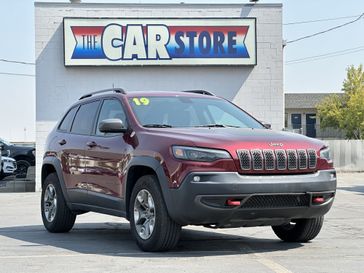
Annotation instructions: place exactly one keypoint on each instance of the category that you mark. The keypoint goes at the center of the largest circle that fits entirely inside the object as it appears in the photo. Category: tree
(346, 112)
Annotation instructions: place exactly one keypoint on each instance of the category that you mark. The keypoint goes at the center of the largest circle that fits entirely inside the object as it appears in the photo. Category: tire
(302, 230)
(22, 168)
(2, 175)
(165, 232)
(63, 219)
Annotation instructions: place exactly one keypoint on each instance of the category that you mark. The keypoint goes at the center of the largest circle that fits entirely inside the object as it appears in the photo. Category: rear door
(107, 158)
(74, 133)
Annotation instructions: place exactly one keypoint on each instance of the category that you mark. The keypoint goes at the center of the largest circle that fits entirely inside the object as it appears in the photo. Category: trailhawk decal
(218, 41)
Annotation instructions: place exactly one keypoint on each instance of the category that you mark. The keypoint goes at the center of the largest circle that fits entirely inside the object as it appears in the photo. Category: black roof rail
(202, 92)
(116, 90)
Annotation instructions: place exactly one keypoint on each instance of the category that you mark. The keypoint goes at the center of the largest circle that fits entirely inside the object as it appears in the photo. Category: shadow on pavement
(114, 239)
(358, 189)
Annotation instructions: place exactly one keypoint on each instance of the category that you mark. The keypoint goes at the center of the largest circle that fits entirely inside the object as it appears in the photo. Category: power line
(320, 20)
(17, 74)
(325, 31)
(325, 56)
(16, 62)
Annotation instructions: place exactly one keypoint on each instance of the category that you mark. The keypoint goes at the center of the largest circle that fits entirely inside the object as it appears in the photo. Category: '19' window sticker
(141, 101)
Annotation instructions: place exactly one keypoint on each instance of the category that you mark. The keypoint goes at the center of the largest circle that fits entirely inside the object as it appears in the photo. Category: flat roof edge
(78, 5)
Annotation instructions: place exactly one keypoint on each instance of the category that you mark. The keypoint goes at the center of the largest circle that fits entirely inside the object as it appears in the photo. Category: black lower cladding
(256, 200)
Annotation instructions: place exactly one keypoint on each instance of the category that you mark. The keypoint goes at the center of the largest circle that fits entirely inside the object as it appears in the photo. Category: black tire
(22, 168)
(2, 175)
(64, 218)
(166, 232)
(301, 230)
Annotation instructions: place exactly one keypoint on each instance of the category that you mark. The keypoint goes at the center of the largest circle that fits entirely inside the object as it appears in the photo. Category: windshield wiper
(156, 125)
(217, 126)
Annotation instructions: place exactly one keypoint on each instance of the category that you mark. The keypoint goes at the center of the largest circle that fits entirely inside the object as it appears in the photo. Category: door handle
(91, 144)
(62, 142)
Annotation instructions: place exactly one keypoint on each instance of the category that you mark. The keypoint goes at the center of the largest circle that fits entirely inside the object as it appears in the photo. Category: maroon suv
(164, 160)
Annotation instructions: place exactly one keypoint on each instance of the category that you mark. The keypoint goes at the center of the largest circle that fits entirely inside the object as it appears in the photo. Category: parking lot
(101, 243)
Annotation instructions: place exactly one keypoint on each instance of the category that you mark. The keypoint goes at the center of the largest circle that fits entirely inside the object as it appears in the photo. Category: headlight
(325, 153)
(199, 154)
(33, 152)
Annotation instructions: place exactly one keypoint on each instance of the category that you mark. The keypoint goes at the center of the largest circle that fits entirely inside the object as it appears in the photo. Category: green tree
(346, 112)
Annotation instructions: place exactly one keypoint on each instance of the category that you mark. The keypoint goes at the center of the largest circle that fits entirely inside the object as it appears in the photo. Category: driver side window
(110, 109)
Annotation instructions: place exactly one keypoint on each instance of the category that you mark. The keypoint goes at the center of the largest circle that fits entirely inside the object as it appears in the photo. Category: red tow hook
(233, 203)
(318, 200)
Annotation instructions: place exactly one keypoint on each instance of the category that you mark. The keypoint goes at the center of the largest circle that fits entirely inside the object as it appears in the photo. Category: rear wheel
(56, 215)
(150, 223)
(301, 230)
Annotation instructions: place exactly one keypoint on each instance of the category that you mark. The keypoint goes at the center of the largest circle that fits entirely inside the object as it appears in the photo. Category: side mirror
(266, 125)
(112, 125)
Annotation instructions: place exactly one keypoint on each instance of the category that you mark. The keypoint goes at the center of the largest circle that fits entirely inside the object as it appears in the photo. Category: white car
(8, 166)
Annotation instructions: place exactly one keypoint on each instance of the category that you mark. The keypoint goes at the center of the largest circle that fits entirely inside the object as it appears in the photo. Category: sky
(323, 74)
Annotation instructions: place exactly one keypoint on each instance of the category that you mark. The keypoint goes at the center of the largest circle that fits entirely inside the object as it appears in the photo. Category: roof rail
(202, 92)
(116, 90)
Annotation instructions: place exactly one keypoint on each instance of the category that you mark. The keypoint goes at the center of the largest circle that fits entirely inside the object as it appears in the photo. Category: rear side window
(67, 120)
(84, 119)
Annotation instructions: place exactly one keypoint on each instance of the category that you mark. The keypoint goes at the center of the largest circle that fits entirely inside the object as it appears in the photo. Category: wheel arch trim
(56, 164)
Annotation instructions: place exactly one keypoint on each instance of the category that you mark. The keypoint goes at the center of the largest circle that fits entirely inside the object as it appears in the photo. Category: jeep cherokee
(164, 160)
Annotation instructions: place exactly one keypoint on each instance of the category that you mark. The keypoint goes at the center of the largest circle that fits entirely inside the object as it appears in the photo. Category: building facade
(301, 115)
(256, 85)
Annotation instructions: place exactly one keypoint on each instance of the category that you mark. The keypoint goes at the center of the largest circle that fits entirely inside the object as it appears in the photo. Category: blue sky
(17, 93)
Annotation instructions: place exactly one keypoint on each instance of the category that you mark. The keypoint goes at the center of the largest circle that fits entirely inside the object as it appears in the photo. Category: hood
(239, 138)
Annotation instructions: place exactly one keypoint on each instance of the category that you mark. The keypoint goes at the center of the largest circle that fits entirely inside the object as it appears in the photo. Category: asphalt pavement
(100, 243)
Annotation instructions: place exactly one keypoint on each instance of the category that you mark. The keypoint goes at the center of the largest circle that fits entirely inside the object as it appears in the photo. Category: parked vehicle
(24, 156)
(8, 167)
(1, 152)
(164, 160)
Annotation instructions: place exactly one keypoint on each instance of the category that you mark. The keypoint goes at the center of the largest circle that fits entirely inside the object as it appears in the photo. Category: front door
(311, 125)
(107, 158)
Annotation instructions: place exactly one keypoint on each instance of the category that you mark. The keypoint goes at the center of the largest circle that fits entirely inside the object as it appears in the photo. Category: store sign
(117, 42)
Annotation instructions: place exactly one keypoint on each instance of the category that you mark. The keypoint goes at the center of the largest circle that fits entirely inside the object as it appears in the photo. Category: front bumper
(277, 198)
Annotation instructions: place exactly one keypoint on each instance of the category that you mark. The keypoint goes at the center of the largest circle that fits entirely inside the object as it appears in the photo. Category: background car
(8, 167)
(24, 156)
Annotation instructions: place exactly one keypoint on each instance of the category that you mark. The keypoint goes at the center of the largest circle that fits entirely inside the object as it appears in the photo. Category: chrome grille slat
(269, 159)
(281, 159)
(312, 158)
(245, 159)
(302, 159)
(291, 159)
(257, 158)
(278, 159)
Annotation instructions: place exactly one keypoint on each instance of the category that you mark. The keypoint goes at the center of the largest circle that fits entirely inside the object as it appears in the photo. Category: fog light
(196, 179)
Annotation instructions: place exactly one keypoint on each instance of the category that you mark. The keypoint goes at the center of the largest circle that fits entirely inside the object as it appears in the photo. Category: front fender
(56, 164)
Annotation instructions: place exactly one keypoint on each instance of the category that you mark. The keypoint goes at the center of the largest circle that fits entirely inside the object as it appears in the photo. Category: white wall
(257, 89)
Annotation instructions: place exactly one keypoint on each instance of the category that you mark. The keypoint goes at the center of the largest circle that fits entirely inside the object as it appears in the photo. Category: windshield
(166, 112)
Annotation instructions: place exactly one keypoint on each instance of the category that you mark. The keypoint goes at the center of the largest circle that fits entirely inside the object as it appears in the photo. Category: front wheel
(150, 223)
(300, 230)
(22, 168)
(56, 215)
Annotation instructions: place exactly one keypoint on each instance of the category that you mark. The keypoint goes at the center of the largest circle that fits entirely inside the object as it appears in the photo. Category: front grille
(277, 201)
(279, 159)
